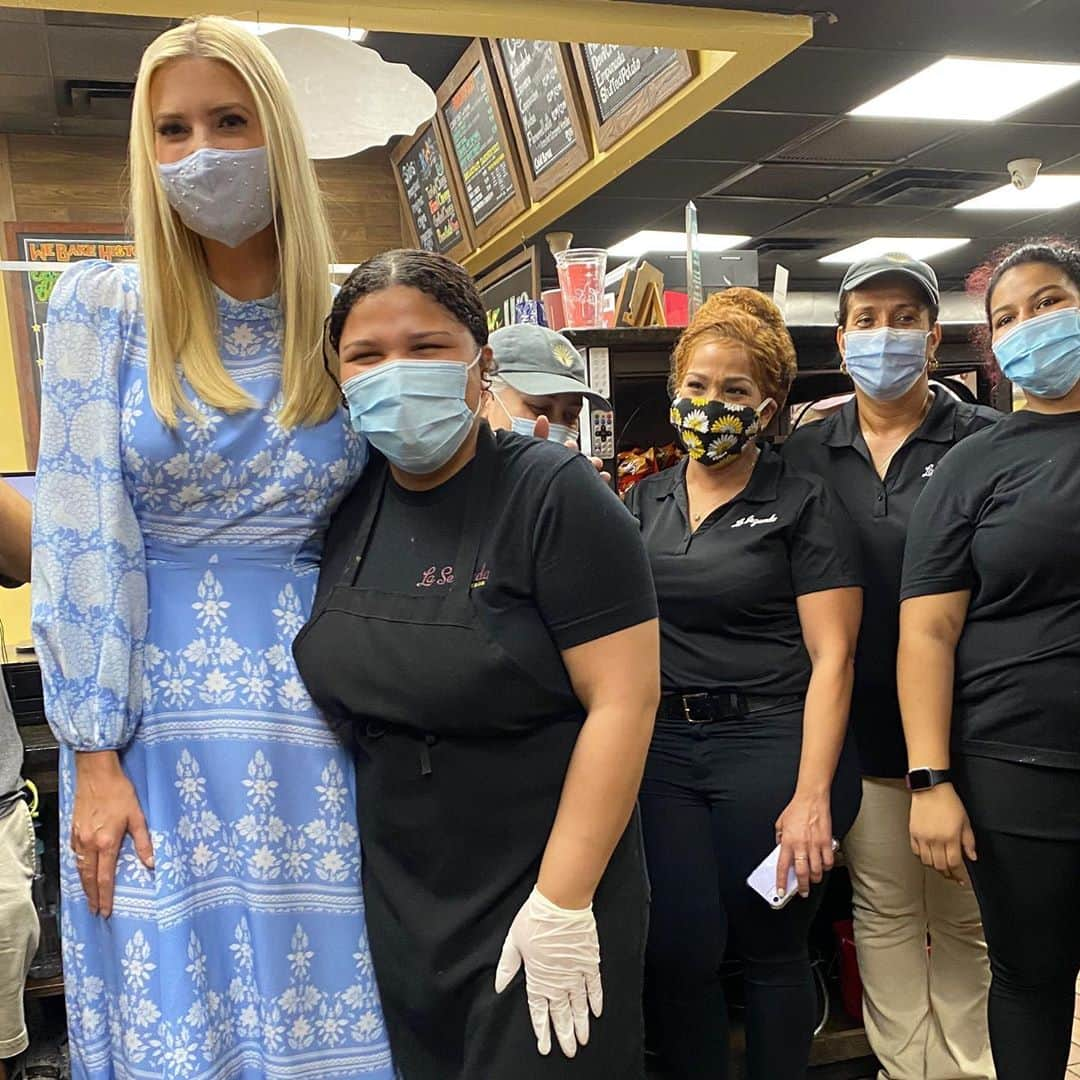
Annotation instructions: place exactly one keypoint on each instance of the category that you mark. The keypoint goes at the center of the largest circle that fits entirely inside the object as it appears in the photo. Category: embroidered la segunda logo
(928, 472)
(752, 521)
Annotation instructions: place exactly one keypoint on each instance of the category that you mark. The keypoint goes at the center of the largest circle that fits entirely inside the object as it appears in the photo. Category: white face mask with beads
(223, 195)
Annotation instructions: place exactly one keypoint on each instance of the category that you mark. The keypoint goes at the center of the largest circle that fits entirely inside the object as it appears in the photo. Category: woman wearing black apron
(484, 633)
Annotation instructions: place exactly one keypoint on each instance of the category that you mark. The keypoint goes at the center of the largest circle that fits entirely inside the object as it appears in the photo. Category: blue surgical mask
(1042, 355)
(557, 433)
(223, 195)
(885, 363)
(413, 412)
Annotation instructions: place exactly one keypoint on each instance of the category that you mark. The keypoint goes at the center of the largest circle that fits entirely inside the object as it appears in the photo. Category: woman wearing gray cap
(924, 1021)
(538, 373)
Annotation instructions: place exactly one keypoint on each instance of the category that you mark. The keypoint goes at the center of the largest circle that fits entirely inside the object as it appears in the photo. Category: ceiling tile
(870, 140)
(987, 148)
(88, 52)
(22, 94)
(679, 179)
(832, 81)
(792, 182)
(726, 136)
(23, 50)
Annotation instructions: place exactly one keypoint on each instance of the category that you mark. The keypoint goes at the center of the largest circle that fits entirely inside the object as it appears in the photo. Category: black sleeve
(592, 573)
(632, 502)
(824, 553)
(937, 554)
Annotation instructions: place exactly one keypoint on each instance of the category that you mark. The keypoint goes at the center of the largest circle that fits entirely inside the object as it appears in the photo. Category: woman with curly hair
(989, 667)
(760, 599)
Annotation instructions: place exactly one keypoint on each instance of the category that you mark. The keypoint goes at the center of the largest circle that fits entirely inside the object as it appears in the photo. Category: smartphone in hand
(763, 882)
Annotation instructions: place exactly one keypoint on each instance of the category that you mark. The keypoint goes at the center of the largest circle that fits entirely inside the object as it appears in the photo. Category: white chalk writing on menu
(431, 202)
(620, 72)
(474, 131)
(540, 99)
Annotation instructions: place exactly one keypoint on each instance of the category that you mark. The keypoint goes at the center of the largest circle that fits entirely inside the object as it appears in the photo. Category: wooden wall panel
(58, 178)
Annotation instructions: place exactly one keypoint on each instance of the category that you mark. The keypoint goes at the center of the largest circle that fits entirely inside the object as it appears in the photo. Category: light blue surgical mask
(223, 195)
(1042, 355)
(557, 433)
(413, 412)
(885, 363)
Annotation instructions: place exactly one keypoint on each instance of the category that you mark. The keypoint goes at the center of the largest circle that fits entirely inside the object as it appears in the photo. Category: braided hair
(447, 283)
(984, 279)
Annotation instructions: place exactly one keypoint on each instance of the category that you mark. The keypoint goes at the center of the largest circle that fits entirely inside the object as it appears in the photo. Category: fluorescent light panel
(960, 88)
(350, 33)
(1047, 193)
(654, 240)
(918, 247)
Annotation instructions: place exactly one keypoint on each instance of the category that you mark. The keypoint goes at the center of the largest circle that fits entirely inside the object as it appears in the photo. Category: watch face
(919, 779)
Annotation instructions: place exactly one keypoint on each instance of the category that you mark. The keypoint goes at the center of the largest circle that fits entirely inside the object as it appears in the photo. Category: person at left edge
(496, 668)
(758, 589)
(538, 373)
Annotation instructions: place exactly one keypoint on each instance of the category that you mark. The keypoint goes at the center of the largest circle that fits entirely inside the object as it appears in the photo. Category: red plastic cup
(581, 282)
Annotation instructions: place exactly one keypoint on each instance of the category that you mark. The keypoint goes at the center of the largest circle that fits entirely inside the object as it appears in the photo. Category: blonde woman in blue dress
(192, 450)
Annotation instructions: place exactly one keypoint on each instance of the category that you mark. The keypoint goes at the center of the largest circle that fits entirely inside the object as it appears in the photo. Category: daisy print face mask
(714, 432)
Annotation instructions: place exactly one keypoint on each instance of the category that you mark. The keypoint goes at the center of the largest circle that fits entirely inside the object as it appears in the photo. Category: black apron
(461, 754)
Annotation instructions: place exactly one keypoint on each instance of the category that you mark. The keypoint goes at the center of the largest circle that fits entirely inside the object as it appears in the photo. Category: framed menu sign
(427, 189)
(516, 279)
(481, 150)
(545, 111)
(625, 83)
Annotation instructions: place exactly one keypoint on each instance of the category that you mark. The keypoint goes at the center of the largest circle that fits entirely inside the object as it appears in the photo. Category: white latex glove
(561, 954)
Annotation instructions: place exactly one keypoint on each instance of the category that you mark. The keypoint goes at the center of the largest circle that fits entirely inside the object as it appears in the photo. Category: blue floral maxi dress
(171, 571)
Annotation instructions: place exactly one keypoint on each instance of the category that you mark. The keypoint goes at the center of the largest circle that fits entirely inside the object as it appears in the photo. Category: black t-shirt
(880, 511)
(558, 540)
(727, 592)
(1001, 518)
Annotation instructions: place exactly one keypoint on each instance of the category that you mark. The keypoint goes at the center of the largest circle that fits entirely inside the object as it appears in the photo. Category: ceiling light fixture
(350, 33)
(963, 88)
(657, 240)
(918, 247)
(1045, 193)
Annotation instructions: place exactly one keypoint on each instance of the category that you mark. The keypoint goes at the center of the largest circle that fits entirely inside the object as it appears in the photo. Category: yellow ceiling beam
(615, 21)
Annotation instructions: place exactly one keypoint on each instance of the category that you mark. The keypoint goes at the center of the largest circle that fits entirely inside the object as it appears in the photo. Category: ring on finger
(800, 858)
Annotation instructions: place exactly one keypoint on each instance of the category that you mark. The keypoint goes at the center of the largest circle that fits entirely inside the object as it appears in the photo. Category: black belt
(709, 706)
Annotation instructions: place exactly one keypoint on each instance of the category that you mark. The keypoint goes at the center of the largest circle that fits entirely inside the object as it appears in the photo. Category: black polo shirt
(835, 450)
(1002, 519)
(727, 592)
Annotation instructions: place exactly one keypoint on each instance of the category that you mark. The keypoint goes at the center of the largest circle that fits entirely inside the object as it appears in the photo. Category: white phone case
(763, 882)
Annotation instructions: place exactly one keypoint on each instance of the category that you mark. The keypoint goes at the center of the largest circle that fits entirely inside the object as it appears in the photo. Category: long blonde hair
(178, 298)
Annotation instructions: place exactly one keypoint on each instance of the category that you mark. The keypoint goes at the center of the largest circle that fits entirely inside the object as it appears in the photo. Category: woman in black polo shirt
(496, 669)
(877, 454)
(991, 621)
(759, 613)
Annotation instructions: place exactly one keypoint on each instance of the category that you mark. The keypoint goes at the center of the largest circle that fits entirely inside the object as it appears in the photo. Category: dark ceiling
(780, 160)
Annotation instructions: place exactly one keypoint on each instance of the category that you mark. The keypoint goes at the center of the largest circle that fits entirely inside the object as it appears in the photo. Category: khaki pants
(925, 1015)
(18, 925)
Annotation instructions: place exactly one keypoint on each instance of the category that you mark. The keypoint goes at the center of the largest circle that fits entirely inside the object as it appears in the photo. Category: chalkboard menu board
(480, 146)
(427, 189)
(545, 114)
(626, 83)
(516, 279)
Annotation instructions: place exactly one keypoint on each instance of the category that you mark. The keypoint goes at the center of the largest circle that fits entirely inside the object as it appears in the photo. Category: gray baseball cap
(537, 361)
(860, 273)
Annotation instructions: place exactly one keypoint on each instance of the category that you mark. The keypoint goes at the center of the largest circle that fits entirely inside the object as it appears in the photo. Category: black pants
(709, 802)
(1026, 821)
